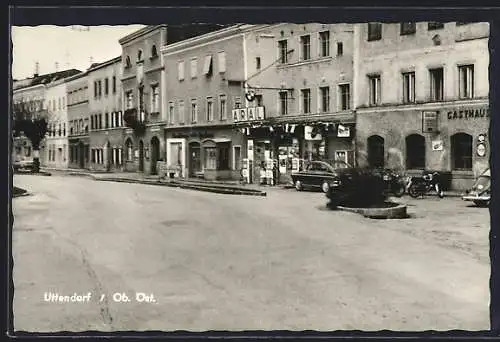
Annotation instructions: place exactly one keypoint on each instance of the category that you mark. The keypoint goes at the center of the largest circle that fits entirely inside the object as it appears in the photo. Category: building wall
(78, 121)
(56, 144)
(393, 120)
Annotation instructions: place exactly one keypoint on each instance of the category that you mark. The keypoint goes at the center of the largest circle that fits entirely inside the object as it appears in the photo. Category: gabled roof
(96, 66)
(44, 79)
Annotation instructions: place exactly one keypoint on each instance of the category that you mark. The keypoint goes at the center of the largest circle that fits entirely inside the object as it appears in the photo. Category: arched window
(461, 151)
(139, 55)
(415, 151)
(154, 52)
(128, 146)
(376, 154)
(127, 62)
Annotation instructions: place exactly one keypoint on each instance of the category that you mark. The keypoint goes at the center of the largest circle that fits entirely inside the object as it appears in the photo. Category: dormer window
(139, 56)
(154, 52)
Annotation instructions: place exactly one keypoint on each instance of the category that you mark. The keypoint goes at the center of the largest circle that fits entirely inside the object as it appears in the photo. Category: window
(236, 157)
(223, 160)
(139, 56)
(345, 97)
(305, 43)
(325, 99)
(222, 107)
(210, 109)
(376, 153)
(466, 77)
(99, 121)
(257, 63)
(154, 52)
(306, 100)
(59, 103)
(194, 67)
(210, 158)
(59, 129)
(407, 28)
(374, 31)
(461, 23)
(283, 102)
(180, 70)
(437, 84)
(324, 43)
(194, 111)
(282, 50)
(155, 99)
(128, 146)
(181, 112)
(408, 87)
(106, 86)
(374, 88)
(127, 62)
(114, 84)
(258, 100)
(130, 99)
(461, 151)
(106, 120)
(434, 25)
(99, 88)
(171, 112)
(207, 66)
(415, 152)
(340, 49)
(221, 57)
(64, 129)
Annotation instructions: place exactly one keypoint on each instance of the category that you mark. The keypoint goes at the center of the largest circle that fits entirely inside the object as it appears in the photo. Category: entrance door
(155, 154)
(194, 159)
(81, 155)
(141, 156)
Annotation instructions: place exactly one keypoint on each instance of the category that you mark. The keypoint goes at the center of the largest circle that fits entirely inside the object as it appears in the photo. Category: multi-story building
(144, 106)
(204, 80)
(34, 95)
(422, 97)
(106, 115)
(302, 75)
(78, 121)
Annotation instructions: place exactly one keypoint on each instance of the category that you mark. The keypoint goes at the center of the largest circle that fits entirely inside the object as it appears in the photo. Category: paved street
(223, 262)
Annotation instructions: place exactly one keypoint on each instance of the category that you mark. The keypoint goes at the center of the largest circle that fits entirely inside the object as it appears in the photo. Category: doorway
(194, 159)
(141, 156)
(155, 154)
(81, 155)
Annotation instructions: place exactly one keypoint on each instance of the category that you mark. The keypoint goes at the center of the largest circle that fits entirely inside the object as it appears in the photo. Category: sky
(70, 48)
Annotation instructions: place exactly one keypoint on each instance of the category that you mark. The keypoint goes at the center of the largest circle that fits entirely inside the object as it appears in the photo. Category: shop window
(306, 101)
(305, 43)
(461, 151)
(375, 90)
(434, 25)
(437, 84)
(282, 50)
(236, 157)
(415, 151)
(408, 87)
(345, 97)
(210, 158)
(407, 28)
(466, 77)
(128, 146)
(324, 43)
(376, 154)
(223, 160)
(374, 31)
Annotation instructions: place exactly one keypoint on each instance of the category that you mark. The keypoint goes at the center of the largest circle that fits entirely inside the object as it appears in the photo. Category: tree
(30, 119)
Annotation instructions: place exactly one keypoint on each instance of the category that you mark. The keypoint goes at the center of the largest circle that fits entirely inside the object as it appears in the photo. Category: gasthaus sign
(466, 113)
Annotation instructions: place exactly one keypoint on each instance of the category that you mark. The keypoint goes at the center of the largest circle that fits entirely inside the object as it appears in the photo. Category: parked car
(21, 165)
(319, 174)
(480, 193)
(357, 187)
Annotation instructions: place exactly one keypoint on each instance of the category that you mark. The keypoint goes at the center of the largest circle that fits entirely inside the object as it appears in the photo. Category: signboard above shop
(248, 114)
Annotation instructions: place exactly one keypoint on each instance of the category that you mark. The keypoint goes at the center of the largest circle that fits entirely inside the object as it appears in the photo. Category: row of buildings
(400, 95)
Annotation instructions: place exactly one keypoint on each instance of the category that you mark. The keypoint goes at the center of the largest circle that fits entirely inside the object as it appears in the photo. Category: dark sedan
(480, 193)
(319, 174)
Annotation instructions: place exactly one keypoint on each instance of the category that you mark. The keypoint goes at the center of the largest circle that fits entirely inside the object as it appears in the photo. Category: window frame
(283, 51)
(324, 43)
(374, 31)
(434, 25)
(324, 105)
(347, 106)
(306, 100)
(470, 81)
(283, 99)
(222, 107)
(432, 88)
(374, 89)
(305, 47)
(193, 67)
(409, 93)
(210, 109)
(407, 28)
(194, 111)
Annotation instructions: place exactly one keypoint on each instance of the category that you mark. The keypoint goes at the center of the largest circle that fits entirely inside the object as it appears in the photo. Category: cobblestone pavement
(225, 262)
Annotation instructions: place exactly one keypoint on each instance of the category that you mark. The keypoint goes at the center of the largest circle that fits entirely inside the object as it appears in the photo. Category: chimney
(57, 66)
(37, 69)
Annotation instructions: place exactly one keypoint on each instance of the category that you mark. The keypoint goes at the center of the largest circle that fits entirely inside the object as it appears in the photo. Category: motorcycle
(394, 183)
(429, 181)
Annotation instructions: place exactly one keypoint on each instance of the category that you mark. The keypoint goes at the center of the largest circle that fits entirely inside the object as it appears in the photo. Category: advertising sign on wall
(437, 145)
(343, 131)
(248, 114)
(429, 121)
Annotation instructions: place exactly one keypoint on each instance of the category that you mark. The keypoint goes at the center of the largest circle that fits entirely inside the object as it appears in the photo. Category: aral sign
(248, 114)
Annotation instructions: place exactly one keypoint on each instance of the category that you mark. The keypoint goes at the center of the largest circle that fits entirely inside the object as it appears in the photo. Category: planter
(387, 210)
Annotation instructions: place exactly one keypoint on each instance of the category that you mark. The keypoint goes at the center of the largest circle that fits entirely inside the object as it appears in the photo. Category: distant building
(422, 97)
(106, 115)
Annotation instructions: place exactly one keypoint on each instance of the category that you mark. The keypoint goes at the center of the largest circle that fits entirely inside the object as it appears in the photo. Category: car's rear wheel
(482, 203)
(298, 185)
(325, 187)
